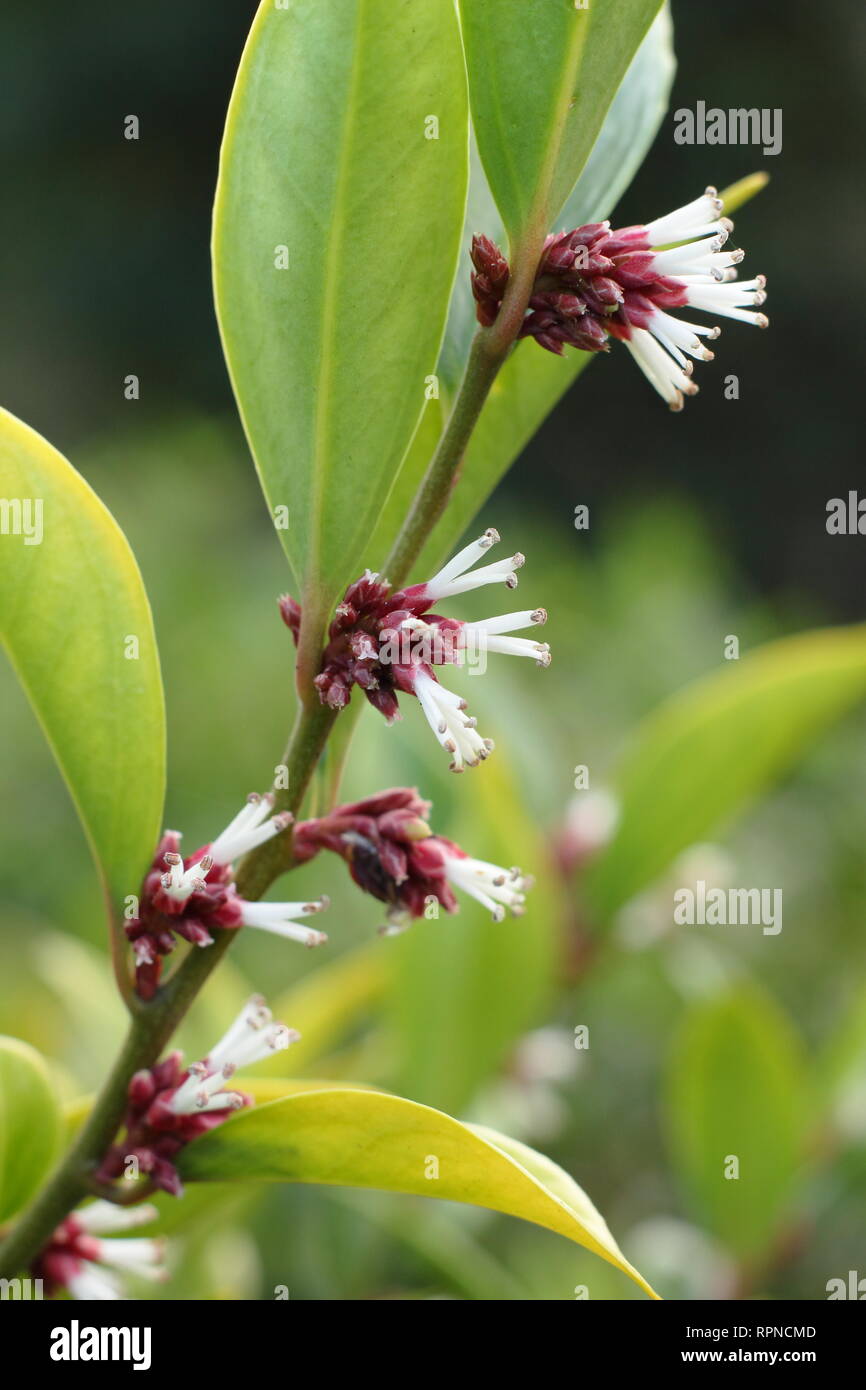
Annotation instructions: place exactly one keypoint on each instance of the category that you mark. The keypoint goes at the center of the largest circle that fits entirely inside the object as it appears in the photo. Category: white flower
(454, 641)
(454, 578)
(95, 1277)
(251, 827)
(279, 919)
(454, 729)
(252, 1037)
(495, 888)
(488, 635)
(704, 274)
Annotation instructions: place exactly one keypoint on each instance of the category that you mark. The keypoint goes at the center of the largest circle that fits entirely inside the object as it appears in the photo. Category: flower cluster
(78, 1261)
(595, 283)
(393, 854)
(169, 1104)
(191, 897)
(388, 643)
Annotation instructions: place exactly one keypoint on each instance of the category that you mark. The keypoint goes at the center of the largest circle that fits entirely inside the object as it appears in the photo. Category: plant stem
(490, 350)
(154, 1022)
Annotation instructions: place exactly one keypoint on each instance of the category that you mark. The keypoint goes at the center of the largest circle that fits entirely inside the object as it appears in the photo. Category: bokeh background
(702, 525)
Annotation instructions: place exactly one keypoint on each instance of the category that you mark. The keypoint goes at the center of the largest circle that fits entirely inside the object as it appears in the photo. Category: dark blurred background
(106, 271)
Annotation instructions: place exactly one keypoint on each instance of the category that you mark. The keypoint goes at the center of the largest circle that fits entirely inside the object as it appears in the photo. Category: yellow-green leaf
(356, 1138)
(29, 1124)
(76, 623)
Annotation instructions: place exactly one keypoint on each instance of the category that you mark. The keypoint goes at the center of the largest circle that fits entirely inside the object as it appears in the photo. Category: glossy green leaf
(542, 74)
(532, 381)
(355, 1138)
(715, 746)
(738, 1108)
(76, 622)
(29, 1124)
(336, 235)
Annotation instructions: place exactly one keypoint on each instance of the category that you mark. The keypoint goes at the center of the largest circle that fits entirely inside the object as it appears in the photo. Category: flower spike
(170, 1105)
(78, 1261)
(392, 643)
(193, 897)
(392, 853)
(594, 284)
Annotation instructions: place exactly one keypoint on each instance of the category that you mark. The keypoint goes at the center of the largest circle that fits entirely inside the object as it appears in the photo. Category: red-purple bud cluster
(591, 283)
(162, 917)
(369, 646)
(489, 278)
(389, 848)
(154, 1133)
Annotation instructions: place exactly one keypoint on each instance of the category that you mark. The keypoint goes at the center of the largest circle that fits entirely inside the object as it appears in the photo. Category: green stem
(154, 1022)
(489, 352)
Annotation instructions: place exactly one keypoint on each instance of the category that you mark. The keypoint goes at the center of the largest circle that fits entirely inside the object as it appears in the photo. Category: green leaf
(325, 154)
(532, 380)
(29, 1124)
(355, 1138)
(76, 622)
(542, 74)
(715, 746)
(737, 1091)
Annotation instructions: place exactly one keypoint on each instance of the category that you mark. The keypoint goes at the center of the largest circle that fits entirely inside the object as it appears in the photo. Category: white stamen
(694, 219)
(669, 379)
(251, 827)
(464, 559)
(454, 730)
(140, 1257)
(93, 1285)
(495, 888)
(457, 577)
(251, 1037)
(487, 635)
(101, 1218)
(180, 883)
(278, 918)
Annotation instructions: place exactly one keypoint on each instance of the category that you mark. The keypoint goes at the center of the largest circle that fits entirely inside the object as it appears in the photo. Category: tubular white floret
(180, 883)
(102, 1218)
(495, 888)
(280, 920)
(457, 577)
(251, 827)
(90, 1284)
(141, 1257)
(252, 1037)
(670, 379)
(732, 301)
(489, 634)
(454, 729)
(698, 218)
(680, 337)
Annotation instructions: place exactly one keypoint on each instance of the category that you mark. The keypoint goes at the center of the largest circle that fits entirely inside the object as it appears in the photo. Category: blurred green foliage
(460, 1012)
